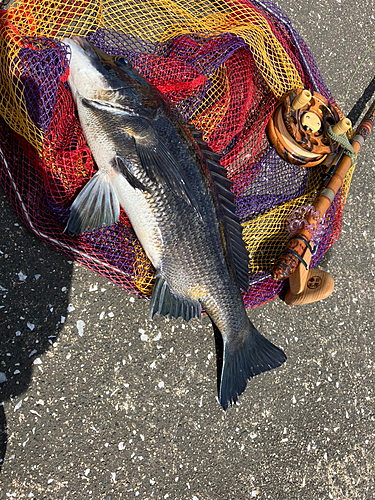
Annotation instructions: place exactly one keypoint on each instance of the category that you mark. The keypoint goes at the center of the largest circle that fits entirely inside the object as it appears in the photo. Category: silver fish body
(178, 200)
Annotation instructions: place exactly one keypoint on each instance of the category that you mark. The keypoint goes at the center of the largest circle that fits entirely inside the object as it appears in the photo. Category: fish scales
(150, 164)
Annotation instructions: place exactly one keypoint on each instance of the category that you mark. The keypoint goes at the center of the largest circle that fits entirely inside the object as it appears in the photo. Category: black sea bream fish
(178, 200)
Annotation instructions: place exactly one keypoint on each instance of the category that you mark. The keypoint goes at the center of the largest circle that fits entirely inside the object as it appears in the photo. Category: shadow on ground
(35, 294)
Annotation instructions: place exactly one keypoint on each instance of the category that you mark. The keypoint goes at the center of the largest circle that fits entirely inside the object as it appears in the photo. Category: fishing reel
(298, 128)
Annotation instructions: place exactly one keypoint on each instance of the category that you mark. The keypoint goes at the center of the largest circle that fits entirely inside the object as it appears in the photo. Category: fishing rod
(297, 254)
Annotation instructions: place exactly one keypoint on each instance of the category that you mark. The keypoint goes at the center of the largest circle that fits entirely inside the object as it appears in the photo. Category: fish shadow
(35, 282)
(219, 347)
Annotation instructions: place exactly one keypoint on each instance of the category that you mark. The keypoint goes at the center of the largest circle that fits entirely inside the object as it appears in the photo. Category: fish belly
(141, 216)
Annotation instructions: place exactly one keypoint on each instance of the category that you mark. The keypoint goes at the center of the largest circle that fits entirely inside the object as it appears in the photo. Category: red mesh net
(221, 81)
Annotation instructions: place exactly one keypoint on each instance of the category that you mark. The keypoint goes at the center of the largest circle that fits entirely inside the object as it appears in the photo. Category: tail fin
(257, 355)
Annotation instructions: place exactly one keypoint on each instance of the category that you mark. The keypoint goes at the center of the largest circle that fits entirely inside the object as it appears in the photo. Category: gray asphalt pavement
(101, 403)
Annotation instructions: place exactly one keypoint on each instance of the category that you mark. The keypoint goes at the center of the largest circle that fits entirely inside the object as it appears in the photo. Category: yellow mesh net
(268, 53)
(155, 21)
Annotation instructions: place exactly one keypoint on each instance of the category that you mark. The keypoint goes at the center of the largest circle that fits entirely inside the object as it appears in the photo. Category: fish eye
(122, 61)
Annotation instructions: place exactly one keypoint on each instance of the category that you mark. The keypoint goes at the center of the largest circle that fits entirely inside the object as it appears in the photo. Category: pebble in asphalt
(101, 403)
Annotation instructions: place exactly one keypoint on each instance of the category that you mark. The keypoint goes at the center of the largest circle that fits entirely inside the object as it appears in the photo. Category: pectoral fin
(124, 167)
(161, 166)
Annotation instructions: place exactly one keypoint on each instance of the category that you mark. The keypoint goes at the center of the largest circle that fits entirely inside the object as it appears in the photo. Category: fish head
(99, 77)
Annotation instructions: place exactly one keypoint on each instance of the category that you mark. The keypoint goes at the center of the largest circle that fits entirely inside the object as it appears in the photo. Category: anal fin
(166, 303)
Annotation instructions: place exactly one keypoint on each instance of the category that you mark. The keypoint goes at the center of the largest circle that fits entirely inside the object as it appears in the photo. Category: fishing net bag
(224, 65)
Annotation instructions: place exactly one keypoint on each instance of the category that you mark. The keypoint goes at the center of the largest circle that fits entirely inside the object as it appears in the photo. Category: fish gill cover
(223, 64)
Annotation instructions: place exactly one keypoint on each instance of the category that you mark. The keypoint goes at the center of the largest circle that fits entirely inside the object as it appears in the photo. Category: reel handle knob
(342, 126)
(301, 100)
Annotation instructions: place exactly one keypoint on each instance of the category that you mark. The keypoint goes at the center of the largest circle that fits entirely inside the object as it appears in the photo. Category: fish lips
(88, 75)
(79, 44)
(92, 55)
(91, 50)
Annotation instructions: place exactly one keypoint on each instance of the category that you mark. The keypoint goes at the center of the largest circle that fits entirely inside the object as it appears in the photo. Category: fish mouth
(86, 46)
(98, 57)
(94, 75)
(80, 40)
(88, 53)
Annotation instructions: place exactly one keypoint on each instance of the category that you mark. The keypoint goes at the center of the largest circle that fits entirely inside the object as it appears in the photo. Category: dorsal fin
(238, 253)
(220, 179)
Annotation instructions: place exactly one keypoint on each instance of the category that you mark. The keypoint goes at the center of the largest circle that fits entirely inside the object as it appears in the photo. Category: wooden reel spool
(298, 128)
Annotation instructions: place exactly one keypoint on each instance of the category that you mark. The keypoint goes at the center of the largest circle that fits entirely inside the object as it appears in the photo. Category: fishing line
(355, 72)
